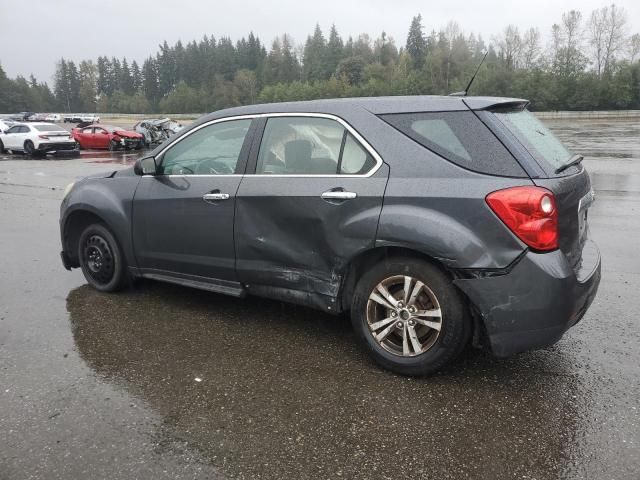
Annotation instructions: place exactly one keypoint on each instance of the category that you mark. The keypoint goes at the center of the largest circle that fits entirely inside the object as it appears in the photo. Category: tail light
(530, 213)
(44, 137)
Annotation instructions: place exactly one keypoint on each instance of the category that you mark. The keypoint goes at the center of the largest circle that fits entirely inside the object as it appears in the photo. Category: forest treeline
(588, 62)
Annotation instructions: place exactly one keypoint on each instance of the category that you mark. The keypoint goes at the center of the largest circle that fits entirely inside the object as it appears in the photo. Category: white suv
(34, 138)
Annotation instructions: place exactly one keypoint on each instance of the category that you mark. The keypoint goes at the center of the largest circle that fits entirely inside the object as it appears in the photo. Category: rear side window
(310, 146)
(461, 138)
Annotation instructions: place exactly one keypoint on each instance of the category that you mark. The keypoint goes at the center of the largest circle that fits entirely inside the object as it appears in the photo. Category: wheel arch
(365, 260)
(73, 226)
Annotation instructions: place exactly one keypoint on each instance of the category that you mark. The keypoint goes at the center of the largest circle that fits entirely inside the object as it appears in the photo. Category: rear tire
(101, 259)
(408, 337)
(29, 148)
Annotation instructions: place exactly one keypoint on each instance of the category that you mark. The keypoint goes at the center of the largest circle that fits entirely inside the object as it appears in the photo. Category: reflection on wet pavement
(286, 392)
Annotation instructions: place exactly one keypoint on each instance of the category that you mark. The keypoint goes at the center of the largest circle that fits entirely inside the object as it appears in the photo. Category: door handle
(215, 197)
(338, 195)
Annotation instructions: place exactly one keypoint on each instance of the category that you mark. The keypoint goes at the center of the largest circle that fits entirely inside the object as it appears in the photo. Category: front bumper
(538, 300)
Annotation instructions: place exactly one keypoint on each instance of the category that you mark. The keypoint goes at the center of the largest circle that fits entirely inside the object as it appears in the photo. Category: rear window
(48, 128)
(541, 143)
(461, 138)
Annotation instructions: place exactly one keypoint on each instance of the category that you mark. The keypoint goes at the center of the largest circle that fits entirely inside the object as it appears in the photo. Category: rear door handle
(215, 197)
(338, 195)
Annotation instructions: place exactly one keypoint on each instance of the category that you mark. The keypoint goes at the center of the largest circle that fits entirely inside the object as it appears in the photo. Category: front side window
(310, 146)
(211, 150)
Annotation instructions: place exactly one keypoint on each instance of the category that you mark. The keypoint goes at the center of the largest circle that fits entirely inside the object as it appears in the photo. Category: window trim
(258, 135)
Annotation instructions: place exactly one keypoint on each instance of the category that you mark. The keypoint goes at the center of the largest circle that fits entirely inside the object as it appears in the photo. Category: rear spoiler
(495, 103)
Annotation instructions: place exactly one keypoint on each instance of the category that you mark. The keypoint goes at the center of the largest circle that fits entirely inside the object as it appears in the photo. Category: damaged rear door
(309, 203)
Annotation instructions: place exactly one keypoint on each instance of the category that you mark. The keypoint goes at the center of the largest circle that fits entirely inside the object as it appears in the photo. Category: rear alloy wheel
(29, 149)
(410, 317)
(101, 259)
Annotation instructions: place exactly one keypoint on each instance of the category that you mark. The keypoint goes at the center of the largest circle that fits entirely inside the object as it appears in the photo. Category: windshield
(541, 143)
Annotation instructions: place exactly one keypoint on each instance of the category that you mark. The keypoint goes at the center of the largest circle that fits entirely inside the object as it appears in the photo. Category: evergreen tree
(315, 57)
(416, 42)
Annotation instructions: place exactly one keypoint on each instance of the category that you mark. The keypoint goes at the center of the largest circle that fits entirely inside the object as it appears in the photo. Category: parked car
(5, 124)
(157, 130)
(106, 136)
(21, 116)
(36, 138)
(435, 221)
(53, 117)
(81, 117)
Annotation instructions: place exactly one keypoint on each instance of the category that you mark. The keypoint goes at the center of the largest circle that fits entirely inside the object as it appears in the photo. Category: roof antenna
(463, 93)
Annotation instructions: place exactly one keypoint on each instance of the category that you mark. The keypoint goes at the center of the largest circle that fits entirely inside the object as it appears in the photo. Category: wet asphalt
(160, 381)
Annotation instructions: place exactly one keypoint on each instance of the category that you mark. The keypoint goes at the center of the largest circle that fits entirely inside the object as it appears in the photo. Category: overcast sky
(34, 34)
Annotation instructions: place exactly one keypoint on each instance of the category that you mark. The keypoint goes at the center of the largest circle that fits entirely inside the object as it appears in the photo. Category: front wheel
(101, 259)
(409, 316)
(113, 145)
(2, 150)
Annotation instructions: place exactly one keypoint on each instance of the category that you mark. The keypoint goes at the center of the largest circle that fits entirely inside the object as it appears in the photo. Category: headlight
(68, 189)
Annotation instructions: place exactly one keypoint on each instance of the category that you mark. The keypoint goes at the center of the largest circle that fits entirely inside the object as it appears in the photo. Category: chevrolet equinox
(434, 221)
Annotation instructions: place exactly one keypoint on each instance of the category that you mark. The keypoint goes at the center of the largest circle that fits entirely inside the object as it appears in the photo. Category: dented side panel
(290, 239)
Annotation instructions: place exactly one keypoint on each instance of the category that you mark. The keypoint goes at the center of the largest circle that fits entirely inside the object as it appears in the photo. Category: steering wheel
(213, 167)
(180, 170)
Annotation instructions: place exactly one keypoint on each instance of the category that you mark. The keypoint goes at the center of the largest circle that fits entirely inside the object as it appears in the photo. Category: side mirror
(145, 166)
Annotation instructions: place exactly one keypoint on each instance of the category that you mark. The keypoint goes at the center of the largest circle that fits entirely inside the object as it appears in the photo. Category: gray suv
(435, 221)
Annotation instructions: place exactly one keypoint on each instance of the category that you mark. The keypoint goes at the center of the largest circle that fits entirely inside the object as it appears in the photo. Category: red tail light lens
(530, 213)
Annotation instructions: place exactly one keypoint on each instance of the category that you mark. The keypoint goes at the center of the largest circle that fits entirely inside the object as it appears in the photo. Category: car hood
(108, 174)
(127, 134)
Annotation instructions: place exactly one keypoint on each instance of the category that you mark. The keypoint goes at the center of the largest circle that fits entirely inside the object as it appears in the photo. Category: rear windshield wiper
(575, 160)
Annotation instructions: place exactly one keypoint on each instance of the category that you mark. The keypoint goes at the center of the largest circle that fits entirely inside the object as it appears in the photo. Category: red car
(107, 136)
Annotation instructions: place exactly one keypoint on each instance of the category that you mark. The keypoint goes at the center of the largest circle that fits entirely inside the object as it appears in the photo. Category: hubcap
(98, 259)
(404, 316)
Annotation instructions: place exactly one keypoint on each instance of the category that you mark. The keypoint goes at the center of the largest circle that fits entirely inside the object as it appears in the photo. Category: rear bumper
(56, 146)
(536, 302)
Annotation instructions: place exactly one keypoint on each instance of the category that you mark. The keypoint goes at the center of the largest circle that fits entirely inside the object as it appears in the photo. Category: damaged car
(157, 130)
(435, 222)
(106, 136)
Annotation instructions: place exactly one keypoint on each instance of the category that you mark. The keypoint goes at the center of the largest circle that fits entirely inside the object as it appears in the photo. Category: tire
(113, 146)
(101, 259)
(29, 149)
(436, 343)
(2, 150)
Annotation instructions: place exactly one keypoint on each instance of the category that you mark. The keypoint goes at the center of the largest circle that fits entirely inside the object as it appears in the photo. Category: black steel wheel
(101, 259)
(409, 316)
